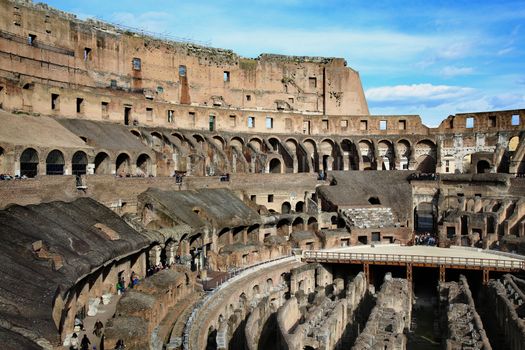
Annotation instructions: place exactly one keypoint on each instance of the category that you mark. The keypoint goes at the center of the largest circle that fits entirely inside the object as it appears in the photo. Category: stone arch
(223, 237)
(298, 224)
(136, 133)
(237, 142)
(79, 163)
(312, 224)
(255, 290)
(350, 155)
(275, 166)
(29, 163)
(330, 155)
(299, 207)
(55, 163)
(157, 141)
(467, 162)
(283, 226)
(513, 143)
(144, 165)
(286, 208)
(123, 165)
(403, 152)
(102, 164)
(310, 146)
(219, 142)
(256, 143)
(386, 154)
(269, 284)
(300, 153)
(483, 166)
(274, 142)
(366, 148)
(425, 152)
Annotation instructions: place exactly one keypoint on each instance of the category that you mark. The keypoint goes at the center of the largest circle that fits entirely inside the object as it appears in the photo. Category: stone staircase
(185, 308)
(369, 217)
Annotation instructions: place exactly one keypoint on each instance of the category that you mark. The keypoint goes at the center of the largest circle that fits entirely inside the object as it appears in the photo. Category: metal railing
(414, 259)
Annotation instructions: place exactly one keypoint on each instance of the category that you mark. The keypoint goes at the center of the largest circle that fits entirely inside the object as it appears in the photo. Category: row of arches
(55, 164)
(291, 155)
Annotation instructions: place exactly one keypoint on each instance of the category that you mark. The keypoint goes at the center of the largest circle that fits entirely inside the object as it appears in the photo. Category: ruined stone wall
(389, 318)
(93, 54)
(507, 300)
(146, 305)
(461, 320)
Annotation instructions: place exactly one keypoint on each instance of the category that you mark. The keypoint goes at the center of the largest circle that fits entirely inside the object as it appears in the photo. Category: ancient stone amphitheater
(190, 198)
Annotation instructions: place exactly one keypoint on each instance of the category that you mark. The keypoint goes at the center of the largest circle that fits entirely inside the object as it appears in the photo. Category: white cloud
(416, 93)
(451, 71)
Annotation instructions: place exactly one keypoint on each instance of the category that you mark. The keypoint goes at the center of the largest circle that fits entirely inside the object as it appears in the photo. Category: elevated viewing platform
(420, 256)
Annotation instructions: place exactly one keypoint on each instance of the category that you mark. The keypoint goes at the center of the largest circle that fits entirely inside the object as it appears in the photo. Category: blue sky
(432, 58)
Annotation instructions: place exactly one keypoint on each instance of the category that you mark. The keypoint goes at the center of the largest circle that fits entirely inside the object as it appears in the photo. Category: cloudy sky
(413, 57)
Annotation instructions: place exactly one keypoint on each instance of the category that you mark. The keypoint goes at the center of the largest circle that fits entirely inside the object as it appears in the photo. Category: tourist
(74, 342)
(84, 345)
(98, 328)
(120, 345)
(121, 286)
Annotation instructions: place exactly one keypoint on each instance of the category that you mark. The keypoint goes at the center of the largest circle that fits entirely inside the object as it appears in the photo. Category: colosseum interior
(185, 197)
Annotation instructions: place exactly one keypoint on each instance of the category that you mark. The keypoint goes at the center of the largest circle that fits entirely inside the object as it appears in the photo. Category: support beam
(441, 273)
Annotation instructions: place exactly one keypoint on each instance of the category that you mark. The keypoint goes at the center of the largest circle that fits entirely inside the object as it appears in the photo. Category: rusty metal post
(441, 273)
(366, 270)
(486, 277)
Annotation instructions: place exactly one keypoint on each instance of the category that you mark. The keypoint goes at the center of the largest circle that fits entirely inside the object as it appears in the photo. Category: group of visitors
(225, 177)
(321, 176)
(154, 269)
(425, 238)
(133, 281)
(10, 177)
(85, 342)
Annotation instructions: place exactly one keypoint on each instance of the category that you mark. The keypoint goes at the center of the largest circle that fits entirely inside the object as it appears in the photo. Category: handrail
(424, 259)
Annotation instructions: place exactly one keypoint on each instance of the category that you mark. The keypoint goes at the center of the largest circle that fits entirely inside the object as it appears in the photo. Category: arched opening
(386, 154)
(102, 164)
(426, 164)
(29, 163)
(425, 217)
(136, 133)
(313, 157)
(367, 154)
(513, 143)
(312, 224)
(123, 165)
(55, 163)
(374, 200)
(285, 208)
(350, 152)
(283, 227)
(143, 165)
(298, 224)
(79, 163)
(299, 207)
(274, 143)
(483, 167)
(403, 151)
(275, 166)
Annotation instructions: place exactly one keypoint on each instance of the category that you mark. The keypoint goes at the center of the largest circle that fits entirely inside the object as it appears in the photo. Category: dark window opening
(80, 105)
(253, 198)
(363, 125)
(251, 122)
(212, 123)
(325, 124)
(226, 76)
(113, 84)
(248, 97)
(31, 38)
(233, 121)
(87, 54)
(149, 114)
(492, 121)
(192, 118)
(55, 102)
(182, 71)
(376, 236)
(127, 115)
(402, 125)
(270, 198)
(171, 116)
